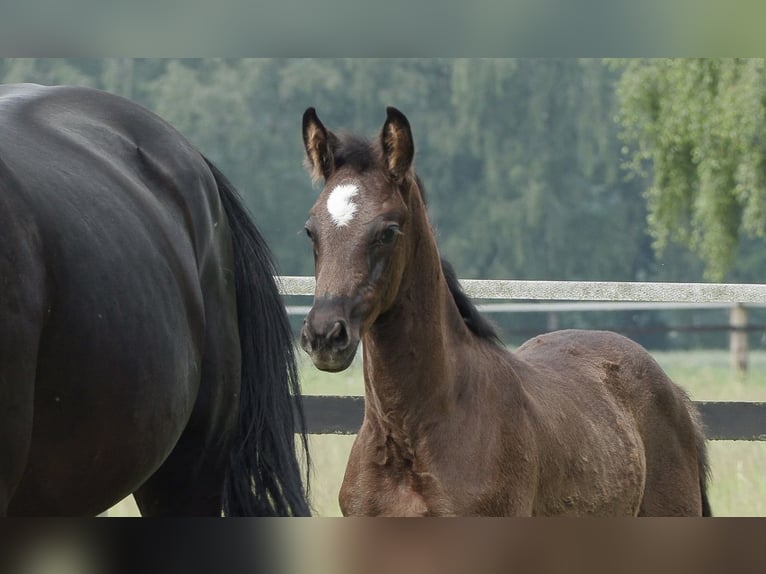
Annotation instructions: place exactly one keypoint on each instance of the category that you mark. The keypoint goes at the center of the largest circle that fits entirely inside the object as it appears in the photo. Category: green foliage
(699, 125)
(41, 71)
(534, 158)
(520, 158)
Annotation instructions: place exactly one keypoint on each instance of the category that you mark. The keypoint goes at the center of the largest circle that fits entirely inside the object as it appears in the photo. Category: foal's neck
(409, 368)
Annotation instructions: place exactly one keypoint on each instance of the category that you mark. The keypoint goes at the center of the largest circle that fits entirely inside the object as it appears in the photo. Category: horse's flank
(144, 347)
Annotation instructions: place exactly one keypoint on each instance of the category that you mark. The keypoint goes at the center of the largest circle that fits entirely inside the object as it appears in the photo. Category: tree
(698, 126)
(520, 158)
(44, 71)
(535, 159)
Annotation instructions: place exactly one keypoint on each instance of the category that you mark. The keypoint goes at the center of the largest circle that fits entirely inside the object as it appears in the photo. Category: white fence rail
(724, 420)
(754, 293)
(599, 296)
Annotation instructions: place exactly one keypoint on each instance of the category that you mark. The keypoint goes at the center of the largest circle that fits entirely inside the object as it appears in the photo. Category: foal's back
(611, 381)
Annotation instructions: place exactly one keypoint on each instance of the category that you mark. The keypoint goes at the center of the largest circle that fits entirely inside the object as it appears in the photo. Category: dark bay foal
(573, 422)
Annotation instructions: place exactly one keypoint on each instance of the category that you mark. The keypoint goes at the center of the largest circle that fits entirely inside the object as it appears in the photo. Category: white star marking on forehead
(340, 204)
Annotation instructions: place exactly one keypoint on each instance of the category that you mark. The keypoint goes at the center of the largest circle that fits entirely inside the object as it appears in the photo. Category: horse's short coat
(572, 423)
(144, 347)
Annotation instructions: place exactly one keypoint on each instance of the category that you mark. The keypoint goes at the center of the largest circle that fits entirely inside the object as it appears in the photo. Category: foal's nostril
(308, 339)
(338, 336)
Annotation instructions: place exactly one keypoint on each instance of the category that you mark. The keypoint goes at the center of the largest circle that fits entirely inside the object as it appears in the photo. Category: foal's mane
(355, 152)
(361, 155)
(475, 321)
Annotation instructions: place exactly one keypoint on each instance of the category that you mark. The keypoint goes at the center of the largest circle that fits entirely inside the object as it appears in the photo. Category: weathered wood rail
(585, 290)
(723, 420)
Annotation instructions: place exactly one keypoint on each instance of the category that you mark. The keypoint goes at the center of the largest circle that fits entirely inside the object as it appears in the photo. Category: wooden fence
(723, 420)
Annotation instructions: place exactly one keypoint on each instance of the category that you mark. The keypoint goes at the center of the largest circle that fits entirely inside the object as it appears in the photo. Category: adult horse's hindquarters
(144, 347)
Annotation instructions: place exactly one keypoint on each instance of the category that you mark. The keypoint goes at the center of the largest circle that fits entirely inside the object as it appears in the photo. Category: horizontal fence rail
(327, 414)
(558, 307)
(723, 420)
(586, 290)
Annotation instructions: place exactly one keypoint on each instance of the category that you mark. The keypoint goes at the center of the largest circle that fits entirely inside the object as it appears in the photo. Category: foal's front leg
(378, 483)
(359, 487)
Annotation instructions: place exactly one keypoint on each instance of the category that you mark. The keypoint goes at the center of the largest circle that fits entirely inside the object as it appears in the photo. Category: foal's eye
(389, 235)
(308, 233)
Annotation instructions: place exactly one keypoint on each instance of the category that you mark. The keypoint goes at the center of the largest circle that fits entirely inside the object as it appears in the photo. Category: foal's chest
(393, 495)
(391, 484)
(403, 499)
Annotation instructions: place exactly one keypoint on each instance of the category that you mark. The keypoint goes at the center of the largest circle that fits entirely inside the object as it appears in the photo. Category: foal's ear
(319, 144)
(398, 147)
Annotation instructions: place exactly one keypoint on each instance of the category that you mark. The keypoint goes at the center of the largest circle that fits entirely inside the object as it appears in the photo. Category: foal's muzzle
(328, 337)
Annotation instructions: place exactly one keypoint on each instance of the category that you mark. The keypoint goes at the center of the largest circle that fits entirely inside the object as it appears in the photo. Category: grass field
(738, 486)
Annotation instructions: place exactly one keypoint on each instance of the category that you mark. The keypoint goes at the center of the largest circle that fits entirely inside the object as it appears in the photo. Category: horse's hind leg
(190, 481)
(672, 471)
(20, 325)
(16, 412)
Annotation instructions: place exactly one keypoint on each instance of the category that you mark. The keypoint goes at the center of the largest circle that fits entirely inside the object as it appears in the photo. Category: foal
(573, 422)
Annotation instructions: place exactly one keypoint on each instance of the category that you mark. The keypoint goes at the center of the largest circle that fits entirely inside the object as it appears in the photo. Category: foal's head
(358, 228)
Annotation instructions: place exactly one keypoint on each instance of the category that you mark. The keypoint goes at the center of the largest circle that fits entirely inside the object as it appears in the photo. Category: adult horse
(573, 422)
(144, 347)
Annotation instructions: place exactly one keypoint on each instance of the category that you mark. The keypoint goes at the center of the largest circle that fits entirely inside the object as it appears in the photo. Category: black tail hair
(706, 510)
(704, 470)
(475, 321)
(264, 476)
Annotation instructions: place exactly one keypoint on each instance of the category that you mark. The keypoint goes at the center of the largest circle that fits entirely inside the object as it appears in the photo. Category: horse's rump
(132, 350)
(603, 372)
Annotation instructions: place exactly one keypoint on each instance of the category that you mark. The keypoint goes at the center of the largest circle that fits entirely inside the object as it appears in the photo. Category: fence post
(738, 338)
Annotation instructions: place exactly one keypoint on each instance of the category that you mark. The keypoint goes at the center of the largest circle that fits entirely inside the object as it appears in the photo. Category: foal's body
(505, 446)
(461, 426)
(574, 422)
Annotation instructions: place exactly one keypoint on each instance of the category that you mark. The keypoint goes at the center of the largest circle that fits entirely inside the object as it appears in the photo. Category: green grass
(738, 486)
(345, 383)
(707, 375)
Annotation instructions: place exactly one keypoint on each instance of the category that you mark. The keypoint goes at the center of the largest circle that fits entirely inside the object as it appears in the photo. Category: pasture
(738, 486)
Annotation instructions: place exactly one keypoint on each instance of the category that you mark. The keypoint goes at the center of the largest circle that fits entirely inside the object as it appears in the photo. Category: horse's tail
(703, 464)
(706, 510)
(704, 472)
(263, 476)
